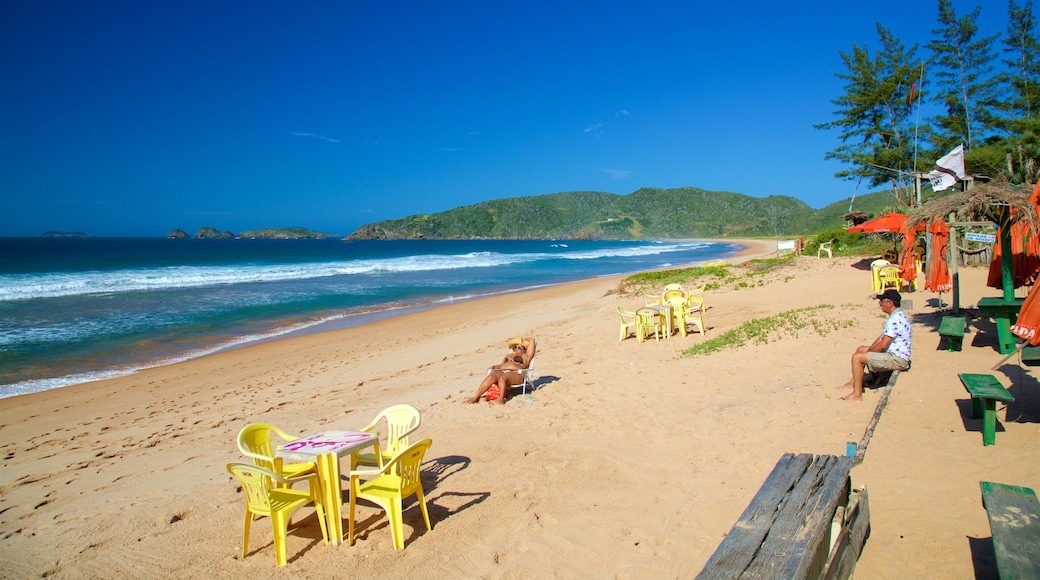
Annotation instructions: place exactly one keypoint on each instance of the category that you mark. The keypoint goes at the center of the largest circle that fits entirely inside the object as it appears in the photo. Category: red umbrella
(890, 222)
(938, 278)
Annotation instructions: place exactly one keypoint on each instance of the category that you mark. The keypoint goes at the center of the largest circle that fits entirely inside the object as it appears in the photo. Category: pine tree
(1021, 82)
(967, 87)
(1020, 85)
(875, 115)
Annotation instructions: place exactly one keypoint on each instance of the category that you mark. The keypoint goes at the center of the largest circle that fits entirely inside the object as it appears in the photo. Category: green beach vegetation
(821, 319)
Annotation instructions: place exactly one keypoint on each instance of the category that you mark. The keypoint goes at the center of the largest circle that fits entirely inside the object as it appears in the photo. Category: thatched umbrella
(996, 201)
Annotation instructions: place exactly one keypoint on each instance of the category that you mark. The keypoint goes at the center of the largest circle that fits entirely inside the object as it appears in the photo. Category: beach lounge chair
(398, 479)
(401, 421)
(269, 494)
(254, 441)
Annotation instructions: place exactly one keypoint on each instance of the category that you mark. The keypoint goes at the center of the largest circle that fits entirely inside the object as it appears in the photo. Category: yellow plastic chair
(678, 305)
(649, 319)
(694, 312)
(875, 274)
(398, 479)
(254, 441)
(825, 247)
(889, 278)
(628, 320)
(401, 421)
(696, 294)
(277, 503)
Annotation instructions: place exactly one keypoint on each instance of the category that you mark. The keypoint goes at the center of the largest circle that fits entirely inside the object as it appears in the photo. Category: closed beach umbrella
(1028, 324)
(907, 261)
(1025, 253)
(938, 278)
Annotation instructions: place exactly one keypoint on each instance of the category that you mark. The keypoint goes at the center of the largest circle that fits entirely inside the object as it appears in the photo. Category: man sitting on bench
(889, 352)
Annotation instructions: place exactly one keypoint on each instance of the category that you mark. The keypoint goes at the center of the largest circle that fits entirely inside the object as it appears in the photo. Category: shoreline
(329, 324)
(149, 450)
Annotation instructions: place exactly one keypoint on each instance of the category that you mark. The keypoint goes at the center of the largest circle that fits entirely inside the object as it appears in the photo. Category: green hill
(649, 213)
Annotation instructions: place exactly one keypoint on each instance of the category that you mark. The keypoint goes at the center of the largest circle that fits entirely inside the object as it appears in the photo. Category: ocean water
(76, 310)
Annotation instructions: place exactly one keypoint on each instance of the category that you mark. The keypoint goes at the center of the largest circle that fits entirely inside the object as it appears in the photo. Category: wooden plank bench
(1014, 523)
(985, 391)
(1031, 356)
(952, 329)
(800, 524)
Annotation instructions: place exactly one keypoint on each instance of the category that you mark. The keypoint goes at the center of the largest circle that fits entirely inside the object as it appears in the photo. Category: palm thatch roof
(982, 202)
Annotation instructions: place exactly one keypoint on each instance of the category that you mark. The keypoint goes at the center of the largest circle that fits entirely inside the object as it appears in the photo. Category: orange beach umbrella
(938, 278)
(1025, 253)
(890, 222)
(1028, 324)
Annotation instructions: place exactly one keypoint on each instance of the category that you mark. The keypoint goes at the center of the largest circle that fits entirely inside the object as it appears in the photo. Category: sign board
(989, 238)
(786, 246)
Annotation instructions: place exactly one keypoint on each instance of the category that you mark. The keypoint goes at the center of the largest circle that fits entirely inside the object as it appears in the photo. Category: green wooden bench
(1014, 523)
(800, 524)
(952, 329)
(985, 391)
(1031, 356)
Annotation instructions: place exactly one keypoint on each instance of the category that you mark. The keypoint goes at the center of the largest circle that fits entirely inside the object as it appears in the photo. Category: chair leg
(245, 539)
(422, 504)
(279, 525)
(350, 525)
(320, 510)
(396, 524)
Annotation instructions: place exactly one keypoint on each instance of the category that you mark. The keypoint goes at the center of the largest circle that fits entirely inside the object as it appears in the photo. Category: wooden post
(1006, 281)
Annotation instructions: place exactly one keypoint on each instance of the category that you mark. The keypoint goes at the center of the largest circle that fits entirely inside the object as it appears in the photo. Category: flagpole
(917, 125)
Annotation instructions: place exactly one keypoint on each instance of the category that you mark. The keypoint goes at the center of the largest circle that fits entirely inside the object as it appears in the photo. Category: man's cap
(892, 295)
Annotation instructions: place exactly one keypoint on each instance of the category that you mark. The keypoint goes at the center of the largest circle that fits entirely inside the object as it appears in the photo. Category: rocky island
(206, 232)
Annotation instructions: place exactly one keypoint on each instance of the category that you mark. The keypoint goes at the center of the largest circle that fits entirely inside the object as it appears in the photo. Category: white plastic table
(325, 449)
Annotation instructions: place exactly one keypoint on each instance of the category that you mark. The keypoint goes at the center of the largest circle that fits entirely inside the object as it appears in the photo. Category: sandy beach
(632, 461)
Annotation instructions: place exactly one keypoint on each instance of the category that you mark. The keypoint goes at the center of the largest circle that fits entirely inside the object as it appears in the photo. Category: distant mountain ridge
(648, 213)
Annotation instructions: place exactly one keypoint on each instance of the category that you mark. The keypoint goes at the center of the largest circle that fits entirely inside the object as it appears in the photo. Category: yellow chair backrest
(254, 441)
(398, 479)
(889, 277)
(401, 421)
(673, 286)
(668, 295)
(649, 319)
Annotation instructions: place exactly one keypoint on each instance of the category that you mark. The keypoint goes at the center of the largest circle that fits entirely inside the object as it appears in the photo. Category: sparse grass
(773, 328)
(686, 276)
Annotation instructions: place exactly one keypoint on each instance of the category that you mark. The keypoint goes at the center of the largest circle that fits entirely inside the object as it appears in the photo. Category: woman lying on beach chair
(507, 374)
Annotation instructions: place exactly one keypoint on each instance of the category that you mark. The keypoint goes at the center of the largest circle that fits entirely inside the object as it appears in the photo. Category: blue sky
(133, 118)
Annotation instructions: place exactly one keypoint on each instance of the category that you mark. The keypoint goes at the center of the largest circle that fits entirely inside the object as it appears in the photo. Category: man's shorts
(883, 361)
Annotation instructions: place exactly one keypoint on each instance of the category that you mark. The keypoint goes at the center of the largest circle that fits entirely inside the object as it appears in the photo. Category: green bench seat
(985, 391)
(1014, 523)
(952, 329)
(1031, 356)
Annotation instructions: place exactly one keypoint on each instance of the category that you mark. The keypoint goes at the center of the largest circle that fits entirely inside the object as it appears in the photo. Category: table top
(339, 442)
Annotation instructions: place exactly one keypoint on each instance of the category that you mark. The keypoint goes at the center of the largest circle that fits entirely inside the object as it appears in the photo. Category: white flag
(948, 169)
